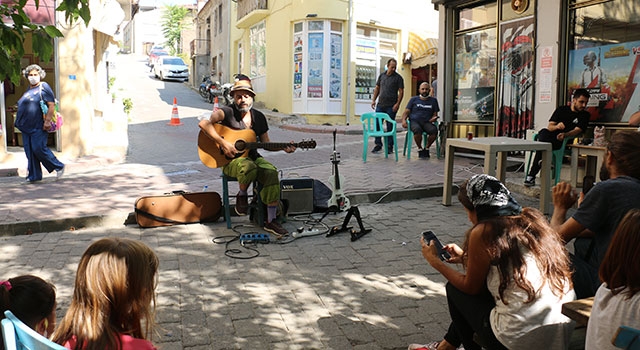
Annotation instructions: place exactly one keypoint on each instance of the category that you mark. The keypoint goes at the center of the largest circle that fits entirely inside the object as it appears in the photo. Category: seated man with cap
(241, 115)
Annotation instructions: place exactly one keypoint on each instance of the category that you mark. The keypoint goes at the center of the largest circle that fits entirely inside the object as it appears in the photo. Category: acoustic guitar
(211, 153)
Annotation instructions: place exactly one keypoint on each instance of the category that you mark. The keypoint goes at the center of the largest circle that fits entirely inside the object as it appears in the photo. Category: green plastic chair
(556, 158)
(369, 122)
(408, 140)
(17, 335)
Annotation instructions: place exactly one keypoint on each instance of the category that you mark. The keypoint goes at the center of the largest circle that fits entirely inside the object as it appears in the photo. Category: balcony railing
(200, 47)
(245, 7)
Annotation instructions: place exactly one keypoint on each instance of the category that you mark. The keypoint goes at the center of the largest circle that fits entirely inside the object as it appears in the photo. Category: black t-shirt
(570, 119)
(233, 119)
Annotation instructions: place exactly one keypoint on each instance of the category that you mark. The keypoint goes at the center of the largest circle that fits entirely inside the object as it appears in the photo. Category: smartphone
(587, 183)
(430, 236)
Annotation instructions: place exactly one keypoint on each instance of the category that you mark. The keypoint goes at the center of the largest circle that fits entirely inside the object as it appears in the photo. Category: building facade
(319, 58)
(79, 75)
(507, 64)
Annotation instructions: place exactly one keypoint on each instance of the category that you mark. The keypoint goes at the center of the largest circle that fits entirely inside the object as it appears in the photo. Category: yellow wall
(279, 21)
(75, 59)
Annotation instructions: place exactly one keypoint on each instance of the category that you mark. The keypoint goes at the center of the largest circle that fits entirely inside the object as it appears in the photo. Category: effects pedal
(254, 238)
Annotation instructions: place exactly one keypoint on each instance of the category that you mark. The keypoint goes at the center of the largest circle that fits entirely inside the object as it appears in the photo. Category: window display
(475, 73)
(604, 58)
(365, 82)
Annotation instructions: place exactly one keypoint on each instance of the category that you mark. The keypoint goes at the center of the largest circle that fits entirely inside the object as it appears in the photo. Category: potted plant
(127, 104)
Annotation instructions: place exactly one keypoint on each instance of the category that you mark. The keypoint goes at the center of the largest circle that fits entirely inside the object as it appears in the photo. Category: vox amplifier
(299, 193)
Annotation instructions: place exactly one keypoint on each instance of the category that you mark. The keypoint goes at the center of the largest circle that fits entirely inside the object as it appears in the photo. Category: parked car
(154, 54)
(170, 67)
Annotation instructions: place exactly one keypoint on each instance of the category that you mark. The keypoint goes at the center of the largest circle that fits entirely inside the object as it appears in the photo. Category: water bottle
(205, 188)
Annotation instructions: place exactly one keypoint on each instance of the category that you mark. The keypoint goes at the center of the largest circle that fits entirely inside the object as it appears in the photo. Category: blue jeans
(37, 152)
(392, 114)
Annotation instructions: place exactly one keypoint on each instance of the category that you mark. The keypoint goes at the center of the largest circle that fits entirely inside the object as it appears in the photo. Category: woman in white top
(617, 301)
(516, 275)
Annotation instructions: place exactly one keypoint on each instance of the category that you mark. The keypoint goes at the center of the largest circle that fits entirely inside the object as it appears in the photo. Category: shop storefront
(604, 57)
(317, 67)
(514, 61)
(374, 47)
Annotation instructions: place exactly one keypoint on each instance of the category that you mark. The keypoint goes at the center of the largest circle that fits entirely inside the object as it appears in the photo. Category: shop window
(374, 47)
(317, 66)
(475, 75)
(258, 50)
(604, 57)
(477, 16)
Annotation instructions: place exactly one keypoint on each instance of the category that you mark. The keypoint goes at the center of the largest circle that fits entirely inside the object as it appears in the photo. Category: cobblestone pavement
(313, 292)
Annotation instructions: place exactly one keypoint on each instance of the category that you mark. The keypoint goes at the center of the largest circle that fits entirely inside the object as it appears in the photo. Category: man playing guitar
(241, 115)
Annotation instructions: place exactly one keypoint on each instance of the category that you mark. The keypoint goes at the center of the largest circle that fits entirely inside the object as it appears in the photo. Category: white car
(170, 67)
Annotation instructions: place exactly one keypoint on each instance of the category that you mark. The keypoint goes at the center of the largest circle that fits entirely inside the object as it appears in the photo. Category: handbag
(56, 119)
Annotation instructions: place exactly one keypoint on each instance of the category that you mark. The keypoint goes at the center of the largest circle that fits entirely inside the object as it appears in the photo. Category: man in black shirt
(241, 115)
(565, 122)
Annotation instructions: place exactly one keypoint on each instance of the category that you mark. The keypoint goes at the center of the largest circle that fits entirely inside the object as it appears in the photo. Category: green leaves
(173, 22)
(13, 33)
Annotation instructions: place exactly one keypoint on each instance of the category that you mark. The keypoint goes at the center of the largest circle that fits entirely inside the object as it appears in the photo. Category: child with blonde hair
(112, 299)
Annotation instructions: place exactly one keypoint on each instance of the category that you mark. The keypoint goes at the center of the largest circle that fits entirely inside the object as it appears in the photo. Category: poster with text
(297, 66)
(515, 114)
(473, 104)
(315, 76)
(611, 74)
(335, 81)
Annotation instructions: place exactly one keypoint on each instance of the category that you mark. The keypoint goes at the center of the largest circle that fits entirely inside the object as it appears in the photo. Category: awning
(424, 51)
(43, 15)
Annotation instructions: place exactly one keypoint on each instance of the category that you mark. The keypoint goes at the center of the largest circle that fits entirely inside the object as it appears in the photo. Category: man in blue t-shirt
(422, 112)
(565, 122)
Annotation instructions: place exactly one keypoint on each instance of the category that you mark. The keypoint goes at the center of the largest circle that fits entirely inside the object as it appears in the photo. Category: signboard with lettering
(611, 74)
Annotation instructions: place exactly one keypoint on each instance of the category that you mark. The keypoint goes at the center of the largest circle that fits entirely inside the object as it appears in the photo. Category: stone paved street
(311, 293)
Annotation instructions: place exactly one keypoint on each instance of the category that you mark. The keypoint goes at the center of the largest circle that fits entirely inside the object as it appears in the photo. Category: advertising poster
(611, 74)
(474, 104)
(297, 66)
(515, 114)
(314, 85)
(335, 82)
(475, 66)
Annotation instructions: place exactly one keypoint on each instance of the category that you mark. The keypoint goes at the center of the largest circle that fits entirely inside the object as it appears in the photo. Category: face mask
(33, 80)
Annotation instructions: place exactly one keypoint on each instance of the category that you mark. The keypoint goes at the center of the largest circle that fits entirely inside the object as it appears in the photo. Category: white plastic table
(495, 150)
(590, 152)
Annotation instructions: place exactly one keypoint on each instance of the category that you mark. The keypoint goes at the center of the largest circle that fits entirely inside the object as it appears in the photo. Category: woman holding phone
(516, 275)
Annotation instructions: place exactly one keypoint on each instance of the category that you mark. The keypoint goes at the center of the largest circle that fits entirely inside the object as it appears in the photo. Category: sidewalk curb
(120, 219)
(68, 224)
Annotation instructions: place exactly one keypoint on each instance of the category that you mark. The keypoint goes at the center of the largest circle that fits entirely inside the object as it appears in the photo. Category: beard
(244, 107)
(604, 173)
(424, 95)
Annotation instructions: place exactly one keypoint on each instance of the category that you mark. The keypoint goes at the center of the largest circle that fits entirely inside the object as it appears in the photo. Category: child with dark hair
(617, 301)
(32, 300)
(516, 275)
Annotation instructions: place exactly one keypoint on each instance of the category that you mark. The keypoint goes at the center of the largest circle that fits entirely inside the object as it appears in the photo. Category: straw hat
(242, 83)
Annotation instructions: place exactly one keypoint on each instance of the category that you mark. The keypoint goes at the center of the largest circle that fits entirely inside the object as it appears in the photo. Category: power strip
(308, 232)
(254, 238)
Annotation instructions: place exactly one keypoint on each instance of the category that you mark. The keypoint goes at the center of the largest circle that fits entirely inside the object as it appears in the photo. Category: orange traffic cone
(175, 118)
(216, 106)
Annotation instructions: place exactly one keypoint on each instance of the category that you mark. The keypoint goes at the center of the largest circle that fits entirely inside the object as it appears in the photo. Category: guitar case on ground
(178, 208)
